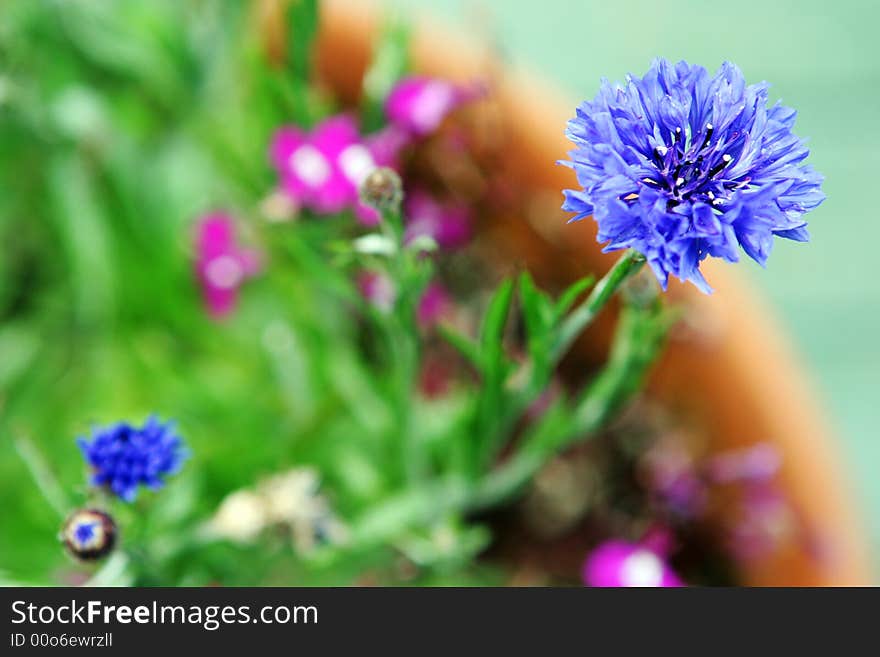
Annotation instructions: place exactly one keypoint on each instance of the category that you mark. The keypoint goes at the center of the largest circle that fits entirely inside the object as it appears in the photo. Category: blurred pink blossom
(378, 289)
(221, 264)
(449, 224)
(434, 304)
(322, 169)
(765, 520)
(756, 463)
(418, 104)
(619, 563)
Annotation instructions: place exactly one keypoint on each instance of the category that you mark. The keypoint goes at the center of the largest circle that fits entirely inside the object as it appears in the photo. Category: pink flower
(378, 288)
(386, 146)
(366, 215)
(619, 563)
(323, 169)
(434, 304)
(419, 104)
(765, 521)
(449, 224)
(221, 265)
(757, 463)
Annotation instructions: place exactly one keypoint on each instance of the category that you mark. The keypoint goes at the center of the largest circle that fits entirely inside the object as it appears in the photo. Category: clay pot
(732, 370)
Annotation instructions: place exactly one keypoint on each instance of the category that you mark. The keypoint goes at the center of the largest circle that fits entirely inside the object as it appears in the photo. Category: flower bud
(89, 534)
(382, 189)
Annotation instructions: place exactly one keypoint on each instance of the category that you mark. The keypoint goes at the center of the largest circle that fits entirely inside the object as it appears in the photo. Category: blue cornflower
(124, 457)
(89, 533)
(680, 165)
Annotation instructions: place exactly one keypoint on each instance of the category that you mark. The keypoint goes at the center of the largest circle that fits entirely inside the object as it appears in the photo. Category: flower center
(224, 272)
(642, 568)
(689, 167)
(310, 165)
(356, 162)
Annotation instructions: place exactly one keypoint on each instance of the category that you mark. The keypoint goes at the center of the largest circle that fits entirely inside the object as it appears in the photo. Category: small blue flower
(680, 165)
(89, 534)
(123, 456)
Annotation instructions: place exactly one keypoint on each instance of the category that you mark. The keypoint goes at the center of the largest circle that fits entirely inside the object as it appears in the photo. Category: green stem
(638, 340)
(581, 317)
(406, 359)
(43, 476)
(405, 349)
(570, 328)
(114, 572)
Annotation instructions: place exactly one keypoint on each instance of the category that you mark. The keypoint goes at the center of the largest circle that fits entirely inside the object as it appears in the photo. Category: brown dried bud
(382, 189)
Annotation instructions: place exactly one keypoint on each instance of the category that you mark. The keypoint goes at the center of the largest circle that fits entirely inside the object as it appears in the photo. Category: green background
(822, 58)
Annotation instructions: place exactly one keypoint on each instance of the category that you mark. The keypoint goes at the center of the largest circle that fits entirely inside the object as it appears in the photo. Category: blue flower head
(681, 165)
(123, 456)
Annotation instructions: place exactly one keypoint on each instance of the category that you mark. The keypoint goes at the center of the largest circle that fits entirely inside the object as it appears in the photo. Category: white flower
(240, 517)
(290, 499)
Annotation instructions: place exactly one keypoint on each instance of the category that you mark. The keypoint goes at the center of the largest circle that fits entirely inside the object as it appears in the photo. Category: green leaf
(638, 341)
(463, 344)
(492, 331)
(567, 298)
(537, 307)
(82, 225)
(390, 63)
(495, 367)
(449, 544)
(302, 27)
(539, 315)
(19, 346)
(540, 443)
(116, 571)
(43, 476)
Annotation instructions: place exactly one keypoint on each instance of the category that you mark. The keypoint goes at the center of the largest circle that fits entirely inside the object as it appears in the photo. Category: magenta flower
(323, 169)
(386, 146)
(434, 304)
(419, 104)
(449, 224)
(221, 265)
(366, 215)
(618, 563)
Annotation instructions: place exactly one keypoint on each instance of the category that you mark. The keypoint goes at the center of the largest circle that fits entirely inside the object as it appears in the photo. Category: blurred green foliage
(120, 123)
